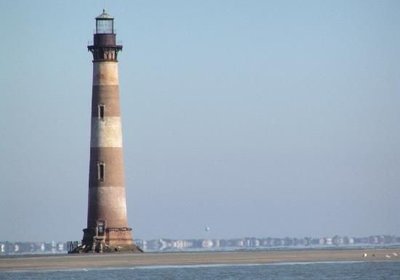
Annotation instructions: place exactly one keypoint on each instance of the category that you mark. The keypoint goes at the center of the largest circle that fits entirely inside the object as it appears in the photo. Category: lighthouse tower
(107, 225)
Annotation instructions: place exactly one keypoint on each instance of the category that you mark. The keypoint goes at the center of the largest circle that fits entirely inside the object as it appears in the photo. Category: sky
(255, 118)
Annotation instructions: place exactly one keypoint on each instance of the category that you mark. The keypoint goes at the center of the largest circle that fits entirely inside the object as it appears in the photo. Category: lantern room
(104, 24)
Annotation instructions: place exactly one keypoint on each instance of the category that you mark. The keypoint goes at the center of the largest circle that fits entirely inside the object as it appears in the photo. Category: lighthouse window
(100, 171)
(101, 111)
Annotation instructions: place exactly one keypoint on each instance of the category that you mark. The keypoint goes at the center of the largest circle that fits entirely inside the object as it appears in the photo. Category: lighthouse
(107, 224)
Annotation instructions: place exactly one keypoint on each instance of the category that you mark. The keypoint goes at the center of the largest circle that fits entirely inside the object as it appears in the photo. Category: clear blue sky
(256, 118)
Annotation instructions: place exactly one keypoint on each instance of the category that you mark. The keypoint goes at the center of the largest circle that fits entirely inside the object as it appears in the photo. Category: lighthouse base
(109, 240)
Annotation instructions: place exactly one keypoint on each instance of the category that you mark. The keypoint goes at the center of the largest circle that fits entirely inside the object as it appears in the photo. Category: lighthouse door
(101, 227)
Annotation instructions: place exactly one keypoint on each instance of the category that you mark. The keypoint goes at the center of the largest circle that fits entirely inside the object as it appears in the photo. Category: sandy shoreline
(58, 262)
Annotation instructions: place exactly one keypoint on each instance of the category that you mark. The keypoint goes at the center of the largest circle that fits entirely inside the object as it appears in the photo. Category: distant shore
(92, 261)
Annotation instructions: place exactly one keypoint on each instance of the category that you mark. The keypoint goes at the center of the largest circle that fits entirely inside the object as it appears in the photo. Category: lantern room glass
(104, 26)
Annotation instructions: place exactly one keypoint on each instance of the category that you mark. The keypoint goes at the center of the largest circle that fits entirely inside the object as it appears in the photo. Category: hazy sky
(256, 118)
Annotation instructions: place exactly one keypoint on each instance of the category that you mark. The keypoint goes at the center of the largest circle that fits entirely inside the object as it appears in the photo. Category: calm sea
(309, 271)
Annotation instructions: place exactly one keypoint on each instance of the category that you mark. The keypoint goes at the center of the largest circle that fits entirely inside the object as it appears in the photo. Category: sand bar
(56, 262)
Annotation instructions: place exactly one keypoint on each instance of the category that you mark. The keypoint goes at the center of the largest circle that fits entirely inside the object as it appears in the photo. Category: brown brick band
(113, 161)
(107, 96)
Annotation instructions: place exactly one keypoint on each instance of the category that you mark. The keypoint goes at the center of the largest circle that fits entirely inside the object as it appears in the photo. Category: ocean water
(285, 271)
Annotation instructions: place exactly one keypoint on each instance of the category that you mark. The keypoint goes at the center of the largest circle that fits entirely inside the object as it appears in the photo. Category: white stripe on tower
(106, 132)
(105, 73)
